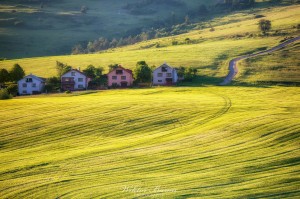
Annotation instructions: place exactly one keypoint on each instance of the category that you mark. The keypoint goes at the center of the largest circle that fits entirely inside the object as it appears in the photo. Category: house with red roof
(120, 77)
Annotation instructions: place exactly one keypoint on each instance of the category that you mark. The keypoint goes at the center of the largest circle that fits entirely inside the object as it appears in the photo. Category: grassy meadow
(236, 34)
(193, 141)
(207, 142)
(279, 67)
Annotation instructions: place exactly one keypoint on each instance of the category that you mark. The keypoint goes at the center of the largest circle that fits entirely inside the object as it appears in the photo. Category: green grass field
(207, 142)
(279, 67)
(210, 52)
(193, 141)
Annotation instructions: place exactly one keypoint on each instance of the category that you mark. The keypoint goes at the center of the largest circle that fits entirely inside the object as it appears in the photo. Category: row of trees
(173, 25)
(104, 43)
(8, 81)
(13, 75)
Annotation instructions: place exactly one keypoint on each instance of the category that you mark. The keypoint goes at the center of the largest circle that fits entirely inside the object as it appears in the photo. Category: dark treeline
(175, 24)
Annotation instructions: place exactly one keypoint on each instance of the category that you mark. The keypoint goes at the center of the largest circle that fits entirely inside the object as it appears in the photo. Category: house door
(68, 87)
(124, 84)
(169, 81)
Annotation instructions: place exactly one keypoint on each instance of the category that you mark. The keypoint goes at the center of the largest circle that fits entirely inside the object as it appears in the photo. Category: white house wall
(30, 89)
(164, 76)
(77, 75)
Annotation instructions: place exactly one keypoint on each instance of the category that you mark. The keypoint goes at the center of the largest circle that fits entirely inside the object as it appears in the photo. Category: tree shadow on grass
(264, 84)
(203, 81)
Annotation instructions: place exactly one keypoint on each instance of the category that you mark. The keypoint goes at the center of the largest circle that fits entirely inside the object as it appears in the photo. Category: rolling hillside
(195, 140)
(29, 28)
(236, 34)
(213, 142)
(281, 66)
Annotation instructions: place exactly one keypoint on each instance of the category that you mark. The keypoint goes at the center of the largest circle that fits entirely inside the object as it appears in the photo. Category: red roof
(120, 67)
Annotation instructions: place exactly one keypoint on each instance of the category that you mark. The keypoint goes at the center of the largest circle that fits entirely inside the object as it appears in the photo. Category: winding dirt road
(233, 69)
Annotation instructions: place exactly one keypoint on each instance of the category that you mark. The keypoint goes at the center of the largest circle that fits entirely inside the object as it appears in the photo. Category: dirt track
(233, 70)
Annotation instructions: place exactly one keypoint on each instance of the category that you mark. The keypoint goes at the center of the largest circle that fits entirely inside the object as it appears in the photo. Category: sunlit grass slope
(213, 142)
(279, 67)
(209, 51)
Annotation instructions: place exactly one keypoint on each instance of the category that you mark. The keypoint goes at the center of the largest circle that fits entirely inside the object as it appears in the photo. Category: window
(164, 69)
(169, 74)
(123, 77)
(119, 72)
(80, 86)
(80, 79)
(73, 73)
(34, 85)
(160, 81)
(24, 92)
(24, 85)
(114, 77)
(68, 79)
(28, 79)
(159, 75)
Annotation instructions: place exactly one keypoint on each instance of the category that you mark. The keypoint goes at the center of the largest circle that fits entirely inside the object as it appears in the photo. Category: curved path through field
(233, 70)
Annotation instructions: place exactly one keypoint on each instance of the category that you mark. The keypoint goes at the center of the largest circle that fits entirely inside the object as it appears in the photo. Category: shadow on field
(202, 81)
(215, 81)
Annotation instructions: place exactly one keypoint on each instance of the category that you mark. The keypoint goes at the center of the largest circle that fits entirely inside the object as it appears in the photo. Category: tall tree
(4, 76)
(187, 20)
(142, 72)
(62, 68)
(77, 49)
(16, 73)
(112, 67)
(264, 25)
(181, 71)
(99, 71)
(92, 71)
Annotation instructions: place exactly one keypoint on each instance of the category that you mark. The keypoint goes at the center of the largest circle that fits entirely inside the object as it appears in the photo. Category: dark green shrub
(4, 94)
(68, 92)
(114, 85)
(174, 43)
(264, 25)
(142, 72)
(53, 84)
(12, 89)
(259, 16)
